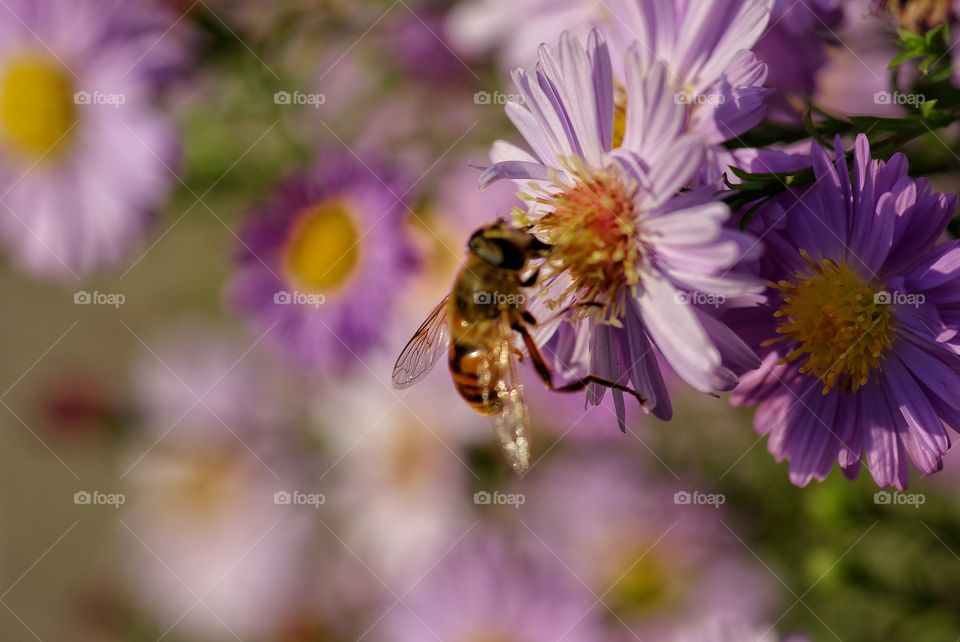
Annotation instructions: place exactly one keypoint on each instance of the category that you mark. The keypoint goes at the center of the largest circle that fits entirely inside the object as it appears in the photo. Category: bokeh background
(145, 438)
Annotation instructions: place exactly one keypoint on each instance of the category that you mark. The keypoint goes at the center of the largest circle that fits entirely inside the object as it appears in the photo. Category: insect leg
(540, 364)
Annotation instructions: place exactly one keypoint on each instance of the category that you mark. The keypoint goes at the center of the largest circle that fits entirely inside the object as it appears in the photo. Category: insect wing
(424, 349)
(512, 424)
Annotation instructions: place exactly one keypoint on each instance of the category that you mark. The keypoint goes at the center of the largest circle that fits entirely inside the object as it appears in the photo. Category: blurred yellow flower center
(322, 251)
(36, 107)
(646, 587)
(596, 237)
(841, 323)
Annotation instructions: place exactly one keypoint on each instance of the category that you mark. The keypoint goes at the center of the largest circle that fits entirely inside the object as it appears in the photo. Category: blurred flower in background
(482, 590)
(795, 47)
(217, 545)
(316, 261)
(655, 555)
(85, 157)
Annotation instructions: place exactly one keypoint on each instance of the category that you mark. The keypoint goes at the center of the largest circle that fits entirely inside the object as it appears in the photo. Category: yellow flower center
(841, 327)
(36, 107)
(647, 587)
(322, 251)
(596, 237)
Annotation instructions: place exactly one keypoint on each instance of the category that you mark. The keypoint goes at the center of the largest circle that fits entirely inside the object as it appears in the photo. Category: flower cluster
(225, 221)
(849, 348)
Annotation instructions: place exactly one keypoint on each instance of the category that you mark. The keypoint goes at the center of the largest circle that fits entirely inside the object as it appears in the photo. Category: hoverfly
(475, 325)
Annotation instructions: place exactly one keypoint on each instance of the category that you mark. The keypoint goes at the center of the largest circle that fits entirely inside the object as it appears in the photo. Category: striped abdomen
(473, 377)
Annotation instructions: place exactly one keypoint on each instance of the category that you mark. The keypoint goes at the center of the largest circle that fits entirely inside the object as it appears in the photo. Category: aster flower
(704, 45)
(201, 516)
(84, 156)
(483, 590)
(323, 263)
(628, 250)
(858, 337)
(401, 460)
(659, 563)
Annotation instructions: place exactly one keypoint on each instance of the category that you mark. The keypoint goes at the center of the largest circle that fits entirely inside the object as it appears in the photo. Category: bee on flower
(638, 268)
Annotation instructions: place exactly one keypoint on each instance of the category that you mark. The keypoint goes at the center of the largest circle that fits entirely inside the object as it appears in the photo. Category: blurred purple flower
(484, 591)
(624, 240)
(402, 459)
(324, 262)
(202, 515)
(856, 79)
(84, 157)
(859, 335)
(658, 558)
(211, 383)
(794, 49)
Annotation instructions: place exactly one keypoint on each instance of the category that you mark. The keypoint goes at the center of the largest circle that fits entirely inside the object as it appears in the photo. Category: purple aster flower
(632, 259)
(322, 264)
(705, 46)
(795, 49)
(84, 157)
(658, 561)
(213, 448)
(484, 591)
(859, 333)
